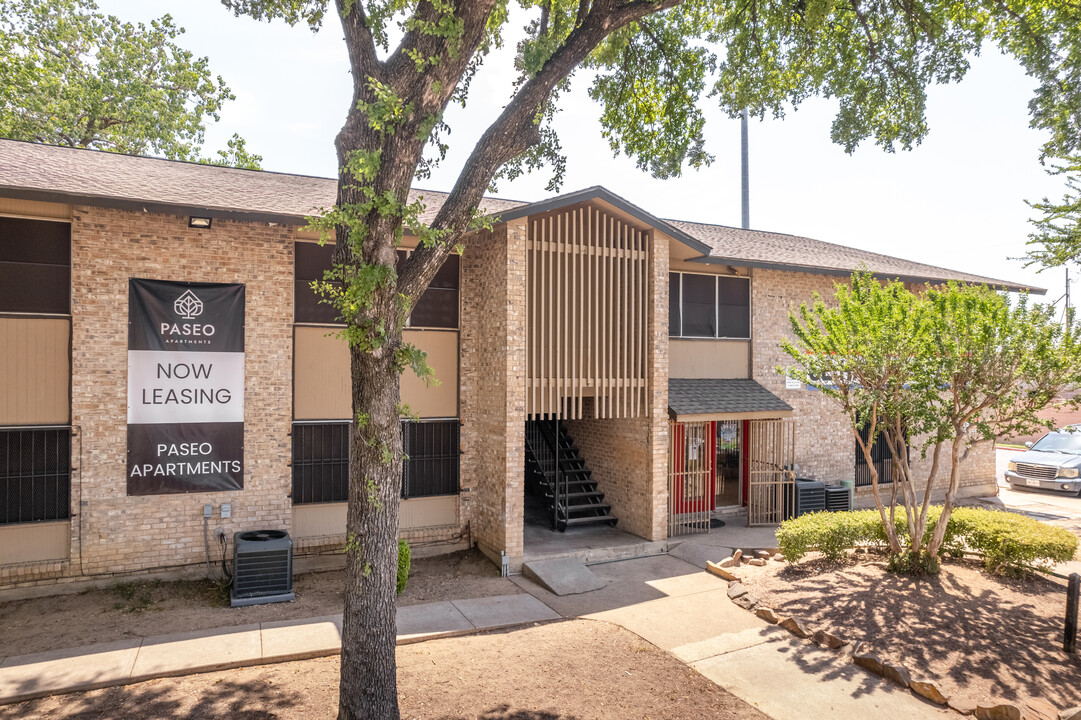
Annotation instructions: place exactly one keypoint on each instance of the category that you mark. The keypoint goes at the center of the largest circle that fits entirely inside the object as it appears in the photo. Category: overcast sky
(957, 200)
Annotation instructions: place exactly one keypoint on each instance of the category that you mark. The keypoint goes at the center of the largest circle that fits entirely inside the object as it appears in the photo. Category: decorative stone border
(862, 653)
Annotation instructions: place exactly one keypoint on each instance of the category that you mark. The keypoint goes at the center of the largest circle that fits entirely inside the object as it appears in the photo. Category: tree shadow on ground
(1003, 636)
(252, 700)
(506, 712)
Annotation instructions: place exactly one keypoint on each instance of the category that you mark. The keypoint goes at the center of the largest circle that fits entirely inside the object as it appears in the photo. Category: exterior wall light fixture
(199, 222)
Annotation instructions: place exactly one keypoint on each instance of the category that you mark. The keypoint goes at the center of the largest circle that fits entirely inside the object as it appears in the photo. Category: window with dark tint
(674, 317)
(35, 474)
(431, 467)
(699, 306)
(733, 307)
(320, 462)
(35, 266)
(312, 261)
(438, 306)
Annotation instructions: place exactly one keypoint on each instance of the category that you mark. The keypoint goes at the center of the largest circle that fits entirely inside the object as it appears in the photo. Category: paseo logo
(188, 307)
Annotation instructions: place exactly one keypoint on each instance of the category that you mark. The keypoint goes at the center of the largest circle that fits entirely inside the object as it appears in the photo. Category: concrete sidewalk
(127, 661)
(686, 611)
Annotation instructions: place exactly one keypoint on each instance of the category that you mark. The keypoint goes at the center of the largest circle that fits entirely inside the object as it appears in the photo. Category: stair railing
(545, 448)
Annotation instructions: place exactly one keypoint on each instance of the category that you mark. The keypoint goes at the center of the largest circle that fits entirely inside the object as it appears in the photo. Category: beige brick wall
(492, 388)
(825, 447)
(125, 534)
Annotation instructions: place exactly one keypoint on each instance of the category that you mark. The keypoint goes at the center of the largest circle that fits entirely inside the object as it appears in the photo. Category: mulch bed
(984, 637)
(142, 609)
(558, 671)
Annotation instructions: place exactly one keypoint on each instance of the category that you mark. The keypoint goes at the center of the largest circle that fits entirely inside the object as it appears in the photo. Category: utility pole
(745, 172)
(1067, 301)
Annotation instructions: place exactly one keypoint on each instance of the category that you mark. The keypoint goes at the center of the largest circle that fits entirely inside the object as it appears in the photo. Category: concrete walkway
(128, 661)
(679, 608)
(663, 599)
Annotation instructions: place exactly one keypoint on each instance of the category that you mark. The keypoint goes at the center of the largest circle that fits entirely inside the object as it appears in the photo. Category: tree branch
(514, 132)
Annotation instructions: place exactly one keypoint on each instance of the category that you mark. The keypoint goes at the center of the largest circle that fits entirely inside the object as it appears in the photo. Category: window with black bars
(881, 457)
(431, 465)
(321, 460)
(35, 474)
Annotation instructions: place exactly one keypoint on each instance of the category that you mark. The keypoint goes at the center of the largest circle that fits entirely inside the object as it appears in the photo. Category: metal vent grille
(262, 567)
(1036, 471)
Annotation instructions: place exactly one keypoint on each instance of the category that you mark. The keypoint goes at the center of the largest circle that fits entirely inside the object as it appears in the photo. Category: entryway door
(771, 459)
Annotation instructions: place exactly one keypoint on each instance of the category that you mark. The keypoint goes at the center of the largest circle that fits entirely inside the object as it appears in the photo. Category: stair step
(588, 494)
(594, 520)
(586, 506)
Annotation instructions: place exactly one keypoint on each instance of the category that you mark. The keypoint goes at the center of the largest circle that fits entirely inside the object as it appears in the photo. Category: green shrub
(829, 533)
(403, 565)
(1007, 541)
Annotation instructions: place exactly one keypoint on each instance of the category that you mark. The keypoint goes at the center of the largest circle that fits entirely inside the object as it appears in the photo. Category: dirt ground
(984, 637)
(557, 671)
(144, 609)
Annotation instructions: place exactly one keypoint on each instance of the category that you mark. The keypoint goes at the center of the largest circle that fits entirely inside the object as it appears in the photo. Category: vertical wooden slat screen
(587, 308)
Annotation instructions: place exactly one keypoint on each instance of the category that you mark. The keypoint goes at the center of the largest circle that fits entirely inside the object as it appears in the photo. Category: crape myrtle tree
(934, 373)
(650, 65)
(72, 76)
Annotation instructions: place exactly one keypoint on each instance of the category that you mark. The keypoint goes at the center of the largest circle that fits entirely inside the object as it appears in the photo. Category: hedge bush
(403, 565)
(1007, 541)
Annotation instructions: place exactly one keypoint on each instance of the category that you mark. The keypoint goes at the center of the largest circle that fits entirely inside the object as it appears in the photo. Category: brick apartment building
(636, 355)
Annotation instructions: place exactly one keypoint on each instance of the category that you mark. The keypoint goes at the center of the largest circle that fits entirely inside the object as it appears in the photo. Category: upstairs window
(35, 266)
(437, 307)
(311, 261)
(709, 306)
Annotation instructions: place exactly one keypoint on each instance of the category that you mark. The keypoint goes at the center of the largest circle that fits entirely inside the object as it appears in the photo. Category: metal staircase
(556, 471)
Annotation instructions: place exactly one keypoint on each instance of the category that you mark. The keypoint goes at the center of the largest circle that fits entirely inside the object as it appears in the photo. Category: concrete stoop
(563, 576)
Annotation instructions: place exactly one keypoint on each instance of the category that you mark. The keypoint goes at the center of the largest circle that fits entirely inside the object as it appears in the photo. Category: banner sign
(185, 387)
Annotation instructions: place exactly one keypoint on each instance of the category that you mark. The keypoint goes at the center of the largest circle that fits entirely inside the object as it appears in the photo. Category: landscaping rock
(728, 562)
(1071, 714)
(795, 627)
(963, 704)
(828, 640)
(764, 554)
(747, 602)
(736, 590)
(928, 689)
(768, 615)
(757, 562)
(898, 674)
(863, 656)
(1040, 709)
(997, 711)
(779, 557)
(720, 571)
(736, 556)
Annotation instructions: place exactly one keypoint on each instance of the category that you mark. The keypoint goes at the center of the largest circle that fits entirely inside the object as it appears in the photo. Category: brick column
(493, 329)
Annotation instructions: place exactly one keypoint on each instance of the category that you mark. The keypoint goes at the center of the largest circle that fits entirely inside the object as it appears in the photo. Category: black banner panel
(185, 387)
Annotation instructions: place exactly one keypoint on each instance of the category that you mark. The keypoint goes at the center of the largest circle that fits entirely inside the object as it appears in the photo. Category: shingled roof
(756, 248)
(722, 396)
(45, 172)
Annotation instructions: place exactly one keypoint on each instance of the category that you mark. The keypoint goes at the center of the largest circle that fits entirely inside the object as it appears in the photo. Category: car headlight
(1011, 466)
(1067, 472)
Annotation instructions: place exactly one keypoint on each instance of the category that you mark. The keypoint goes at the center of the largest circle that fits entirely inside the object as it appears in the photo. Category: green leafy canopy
(945, 367)
(72, 76)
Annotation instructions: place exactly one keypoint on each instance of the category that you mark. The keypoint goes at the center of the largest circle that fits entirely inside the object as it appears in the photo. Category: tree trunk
(368, 677)
(935, 546)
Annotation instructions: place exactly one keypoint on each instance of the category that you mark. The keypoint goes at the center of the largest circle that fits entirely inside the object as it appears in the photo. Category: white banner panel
(185, 387)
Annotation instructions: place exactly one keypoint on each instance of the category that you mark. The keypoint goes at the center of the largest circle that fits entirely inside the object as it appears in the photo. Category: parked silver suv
(1052, 463)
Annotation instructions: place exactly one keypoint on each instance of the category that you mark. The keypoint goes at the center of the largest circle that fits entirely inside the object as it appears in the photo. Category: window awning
(722, 399)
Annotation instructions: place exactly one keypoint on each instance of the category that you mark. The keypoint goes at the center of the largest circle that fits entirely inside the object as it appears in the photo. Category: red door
(694, 467)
